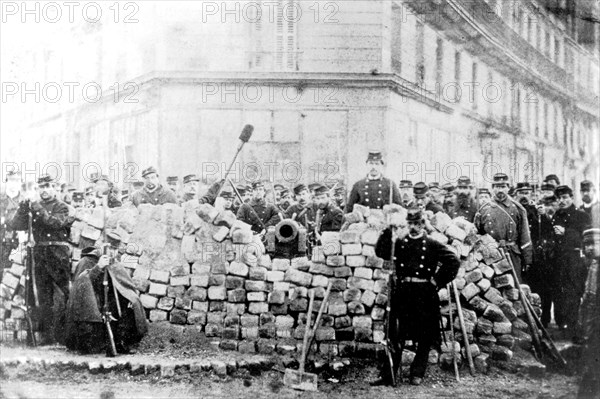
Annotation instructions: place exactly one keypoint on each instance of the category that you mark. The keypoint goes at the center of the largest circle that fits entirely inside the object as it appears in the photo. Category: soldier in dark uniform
(258, 213)
(542, 275)
(9, 203)
(423, 200)
(190, 188)
(406, 193)
(552, 180)
(78, 199)
(546, 190)
(449, 198)
(569, 224)
(506, 221)
(51, 224)
(90, 197)
(483, 197)
(465, 205)
(153, 192)
(173, 184)
(422, 266)
(228, 197)
(103, 186)
(590, 205)
(303, 210)
(339, 197)
(285, 199)
(277, 189)
(374, 190)
(328, 216)
(436, 195)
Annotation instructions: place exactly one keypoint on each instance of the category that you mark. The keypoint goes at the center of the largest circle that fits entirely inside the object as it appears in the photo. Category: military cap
(149, 170)
(44, 180)
(138, 184)
(298, 188)
(586, 185)
(94, 176)
(420, 189)
(550, 200)
(13, 172)
(321, 189)
(91, 251)
(78, 196)
(225, 193)
(248, 187)
(484, 190)
(101, 177)
(284, 191)
(560, 190)
(71, 188)
(189, 178)
(241, 189)
(313, 186)
(89, 190)
(257, 184)
(547, 187)
(552, 177)
(523, 186)
(463, 181)
(434, 185)
(405, 184)
(500, 178)
(124, 194)
(448, 187)
(414, 215)
(278, 187)
(375, 156)
(340, 190)
(172, 179)
(113, 238)
(591, 235)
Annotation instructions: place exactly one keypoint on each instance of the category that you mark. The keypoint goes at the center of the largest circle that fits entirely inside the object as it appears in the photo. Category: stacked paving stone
(13, 325)
(195, 265)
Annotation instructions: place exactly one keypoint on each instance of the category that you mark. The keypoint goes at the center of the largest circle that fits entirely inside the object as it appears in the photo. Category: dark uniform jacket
(373, 193)
(466, 211)
(8, 210)
(593, 211)
(159, 196)
(51, 220)
(433, 207)
(331, 217)
(307, 219)
(266, 212)
(575, 222)
(506, 221)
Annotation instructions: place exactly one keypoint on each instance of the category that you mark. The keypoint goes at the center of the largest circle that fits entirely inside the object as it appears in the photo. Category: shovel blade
(300, 380)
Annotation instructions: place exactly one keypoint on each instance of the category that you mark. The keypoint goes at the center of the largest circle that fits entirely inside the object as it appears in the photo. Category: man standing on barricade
(422, 266)
(153, 192)
(374, 190)
(51, 224)
(506, 221)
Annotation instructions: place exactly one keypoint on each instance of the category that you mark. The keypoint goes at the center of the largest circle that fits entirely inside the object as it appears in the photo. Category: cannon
(288, 239)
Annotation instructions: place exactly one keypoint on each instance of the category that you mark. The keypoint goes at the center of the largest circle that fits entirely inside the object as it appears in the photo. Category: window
(475, 90)
(439, 64)
(397, 24)
(420, 56)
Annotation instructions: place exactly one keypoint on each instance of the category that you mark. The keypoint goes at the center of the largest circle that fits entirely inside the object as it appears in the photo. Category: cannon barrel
(286, 230)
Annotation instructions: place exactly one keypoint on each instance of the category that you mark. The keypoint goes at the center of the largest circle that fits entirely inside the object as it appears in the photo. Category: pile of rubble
(195, 265)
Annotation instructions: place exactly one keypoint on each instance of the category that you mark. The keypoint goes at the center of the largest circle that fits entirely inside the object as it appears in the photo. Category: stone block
(196, 293)
(508, 310)
(217, 293)
(342, 272)
(235, 308)
(201, 306)
(473, 276)
(299, 305)
(238, 269)
(157, 289)
(351, 249)
(277, 297)
(200, 268)
(484, 284)
(256, 286)
(501, 353)
(361, 283)
(196, 317)
(234, 282)
(502, 328)
(166, 303)
(363, 272)
(241, 236)
(511, 294)
(319, 268)
(213, 330)
(297, 277)
(494, 296)
(301, 263)
(362, 322)
(504, 281)
(369, 237)
(258, 307)
(281, 286)
(374, 262)
(180, 281)
(470, 291)
(501, 267)
(337, 307)
(494, 313)
(237, 295)
(335, 260)
(352, 294)
(280, 264)
(325, 334)
(183, 303)
(256, 296)
(368, 250)
(338, 284)
(258, 273)
(268, 331)
(158, 315)
(355, 260)
(455, 232)
(216, 306)
(273, 276)
(368, 298)
(178, 316)
(319, 281)
(356, 308)
(487, 271)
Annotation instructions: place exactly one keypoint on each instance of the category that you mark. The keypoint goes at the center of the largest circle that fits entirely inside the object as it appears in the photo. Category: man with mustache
(590, 205)
(423, 199)
(374, 190)
(506, 221)
(303, 210)
(465, 205)
(51, 222)
(436, 194)
(328, 216)
(422, 266)
(9, 203)
(569, 224)
(406, 193)
(258, 213)
(449, 198)
(103, 186)
(153, 192)
(483, 196)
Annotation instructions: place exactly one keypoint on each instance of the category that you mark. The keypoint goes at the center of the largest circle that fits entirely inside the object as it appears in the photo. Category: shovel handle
(311, 296)
(319, 315)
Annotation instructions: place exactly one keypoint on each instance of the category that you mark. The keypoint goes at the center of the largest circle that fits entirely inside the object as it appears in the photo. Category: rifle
(111, 349)
(389, 347)
(30, 275)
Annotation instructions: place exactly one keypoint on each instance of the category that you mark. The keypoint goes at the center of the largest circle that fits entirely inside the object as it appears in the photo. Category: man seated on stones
(153, 191)
(85, 330)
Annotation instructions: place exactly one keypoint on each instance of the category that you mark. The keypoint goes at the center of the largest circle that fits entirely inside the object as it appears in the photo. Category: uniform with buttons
(467, 211)
(267, 212)
(159, 196)
(373, 193)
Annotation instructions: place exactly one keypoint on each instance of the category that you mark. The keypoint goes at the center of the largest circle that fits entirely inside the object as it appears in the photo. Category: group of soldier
(540, 227)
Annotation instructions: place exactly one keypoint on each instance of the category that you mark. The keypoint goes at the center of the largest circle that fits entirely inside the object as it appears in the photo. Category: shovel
(299, 379)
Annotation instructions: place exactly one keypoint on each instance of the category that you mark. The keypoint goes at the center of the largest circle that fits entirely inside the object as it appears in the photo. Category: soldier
(436, 194)
(103, 186)
(406, 193)
(339, 197)
(422, 266)
(153, 192)
(78, 199)
(125, 198)
(190, 188)
(553, 180)
(483, 196)
(173, 184)
(506, 221)
(277, 189)
(258, 213)
(51, 223)
(569, 224)
(90, 197)
(464, 205)
(9, 203)
(589, 321)
(85, 329)
(449, 198)
(590, 205)
(374, 190)
(423, 201)
(225, 201)
(303, 210)
(285, 200)
(523, 196)
(328, 216)
(546, 190)
(542, 275)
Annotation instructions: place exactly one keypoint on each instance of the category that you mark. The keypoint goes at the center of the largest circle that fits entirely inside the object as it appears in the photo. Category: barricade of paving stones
(195, 265)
